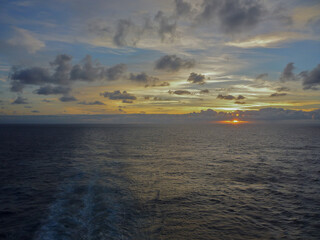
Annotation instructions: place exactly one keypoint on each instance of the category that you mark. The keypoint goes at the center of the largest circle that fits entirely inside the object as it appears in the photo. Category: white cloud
(268, 40)
(25, 39)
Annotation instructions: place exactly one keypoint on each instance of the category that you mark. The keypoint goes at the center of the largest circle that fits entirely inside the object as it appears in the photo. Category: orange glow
(233, 121)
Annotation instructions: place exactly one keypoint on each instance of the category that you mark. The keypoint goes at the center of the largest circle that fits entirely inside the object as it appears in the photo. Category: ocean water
(250, 181)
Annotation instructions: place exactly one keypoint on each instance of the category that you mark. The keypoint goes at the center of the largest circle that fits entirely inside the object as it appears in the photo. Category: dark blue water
(249, 181)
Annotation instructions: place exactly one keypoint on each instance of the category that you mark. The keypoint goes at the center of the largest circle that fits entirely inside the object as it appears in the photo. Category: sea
(169, 181)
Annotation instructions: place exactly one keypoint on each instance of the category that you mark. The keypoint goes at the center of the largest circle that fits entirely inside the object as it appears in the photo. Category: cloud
(35, 111)
(67, 99)
(163, 84)
(196, 78)
(62, 72)
(46, 101)
(48, 90)
(173, 63)
(204, 91)
(278, 94)
(127, 101)
(268, 40)
(209, 115)
(310, 79)
(25, 39)
(87, 71)
(29, 76)
(91, 103)
(20, 100)
(115, 72)
(182, 8)
(63, 66)
(117, 95)
(282, 89)
(233, 16)
(239, 102)
(90, 71)
(143, 78)
(230, 97)
(127, 33)
(287, 74)
(261, 76)
(166, 29)
(280, 114)
(225, 97)
(180, 92)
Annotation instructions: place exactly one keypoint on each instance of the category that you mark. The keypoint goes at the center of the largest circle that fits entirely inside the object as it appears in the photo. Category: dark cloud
(239, 15)
(48, 90)
(20, 100)
(287, 74)
(204, 91)
(261, 76)
(278, 94)
(46, 101)
(166, 28)
(233, 15)
(282, 89)
(127, 33)
(173, 63)
(182, 8)
(115, 72)
(117, 95)
(205, 115)
(62, 73)
(30, 76)
(63, 66)
(226, 97)
(89, 71)
(196, 78)
(281, 114)
(35, 111)
(158, 99)
(180, 92)
(91, 103)
(127, 101)
(310, 79)
(239, 102)
(39, 75)
(67, 99)
(230, 97)
(143, 78)
(163, 84)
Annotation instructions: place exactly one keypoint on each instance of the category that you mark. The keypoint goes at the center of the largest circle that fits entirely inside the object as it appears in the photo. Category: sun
(233, 121)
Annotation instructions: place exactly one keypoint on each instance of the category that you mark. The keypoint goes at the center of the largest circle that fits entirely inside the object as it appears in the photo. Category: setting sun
(233, 121)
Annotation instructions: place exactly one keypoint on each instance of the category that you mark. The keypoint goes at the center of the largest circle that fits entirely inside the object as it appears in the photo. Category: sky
(103, 57)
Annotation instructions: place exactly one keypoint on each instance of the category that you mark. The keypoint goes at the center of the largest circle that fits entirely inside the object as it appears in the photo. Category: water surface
(251, 181)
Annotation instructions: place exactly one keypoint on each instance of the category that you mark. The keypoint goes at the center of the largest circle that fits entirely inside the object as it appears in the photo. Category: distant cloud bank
(209, 115)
